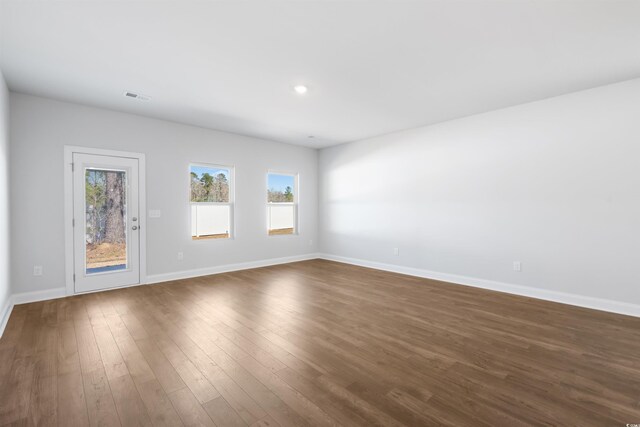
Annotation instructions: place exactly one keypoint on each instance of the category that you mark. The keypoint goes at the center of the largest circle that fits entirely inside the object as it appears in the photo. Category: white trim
(526, 291)
(68, 218)
(186, 274)
(543, 294)
(68, 208)
(55, 293)
(27, 297)
(142, 215)
(5, 314)
(47, 294)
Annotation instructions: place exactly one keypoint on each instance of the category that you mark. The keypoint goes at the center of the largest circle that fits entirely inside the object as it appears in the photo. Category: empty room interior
(320, 213)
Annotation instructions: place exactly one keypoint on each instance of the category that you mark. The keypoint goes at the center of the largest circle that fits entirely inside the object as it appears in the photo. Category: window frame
(295, 203)
(230, 203)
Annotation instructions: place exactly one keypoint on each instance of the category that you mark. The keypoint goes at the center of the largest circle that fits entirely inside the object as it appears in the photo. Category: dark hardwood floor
(316, 343)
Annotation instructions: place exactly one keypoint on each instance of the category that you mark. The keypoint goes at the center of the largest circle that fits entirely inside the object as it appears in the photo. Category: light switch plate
(154, 213)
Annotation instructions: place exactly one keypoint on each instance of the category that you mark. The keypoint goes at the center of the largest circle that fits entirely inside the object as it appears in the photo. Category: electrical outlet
(180, 256)
(37, 270)
(396, 251)
(517, 266)
(310, 242)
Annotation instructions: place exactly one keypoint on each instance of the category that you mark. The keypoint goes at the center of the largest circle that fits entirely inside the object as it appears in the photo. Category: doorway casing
(68, 209)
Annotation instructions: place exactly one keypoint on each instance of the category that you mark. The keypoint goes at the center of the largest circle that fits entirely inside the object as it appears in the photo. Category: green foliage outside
(275, 196)
(209, 188)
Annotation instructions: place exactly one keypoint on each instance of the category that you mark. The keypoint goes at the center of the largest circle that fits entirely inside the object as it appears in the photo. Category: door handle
(135, 227)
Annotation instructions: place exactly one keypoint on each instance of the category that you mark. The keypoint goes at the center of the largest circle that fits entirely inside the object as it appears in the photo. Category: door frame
(68, 209)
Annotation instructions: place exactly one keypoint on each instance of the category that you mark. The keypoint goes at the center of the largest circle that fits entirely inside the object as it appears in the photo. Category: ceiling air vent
(137, 96)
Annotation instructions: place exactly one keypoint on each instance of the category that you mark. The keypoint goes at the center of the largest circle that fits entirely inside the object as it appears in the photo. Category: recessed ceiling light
(300, 89)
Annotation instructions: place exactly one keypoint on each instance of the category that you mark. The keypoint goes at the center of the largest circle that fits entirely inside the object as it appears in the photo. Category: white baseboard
(26, 297)
(5, 313)
(543, 294)
(186, 274)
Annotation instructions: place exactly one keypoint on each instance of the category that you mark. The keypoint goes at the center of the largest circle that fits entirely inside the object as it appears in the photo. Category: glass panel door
(105, 220)
(106, 242)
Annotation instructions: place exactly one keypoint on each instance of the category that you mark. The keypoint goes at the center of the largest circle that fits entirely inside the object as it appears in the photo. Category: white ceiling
(372, 67)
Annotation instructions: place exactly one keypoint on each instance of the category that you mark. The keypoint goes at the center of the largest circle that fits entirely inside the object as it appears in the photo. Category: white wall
(554, 184)
(5, 288)
(41, 127)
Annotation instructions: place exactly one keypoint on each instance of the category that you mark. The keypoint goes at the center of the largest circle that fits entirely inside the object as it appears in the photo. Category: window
(106, 219)
(211, 198)
(282, 203)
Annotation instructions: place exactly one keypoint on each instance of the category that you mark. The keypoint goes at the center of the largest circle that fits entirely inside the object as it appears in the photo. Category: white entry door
(106, 226)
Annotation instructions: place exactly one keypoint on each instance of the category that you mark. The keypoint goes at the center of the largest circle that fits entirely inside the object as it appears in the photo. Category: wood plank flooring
(316, 343)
